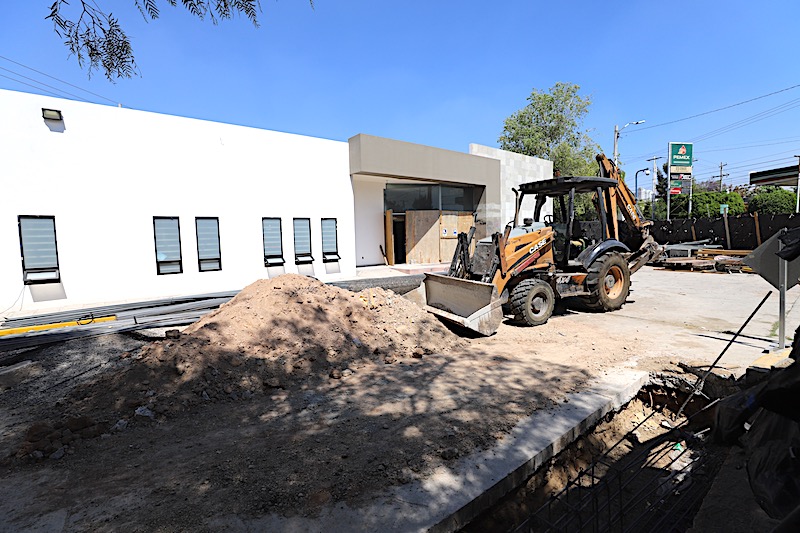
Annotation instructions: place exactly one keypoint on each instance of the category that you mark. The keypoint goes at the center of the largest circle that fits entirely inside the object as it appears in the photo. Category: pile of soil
(288, 332)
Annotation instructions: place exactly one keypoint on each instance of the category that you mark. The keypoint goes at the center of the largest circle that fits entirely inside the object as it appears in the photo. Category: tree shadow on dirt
(271, 416)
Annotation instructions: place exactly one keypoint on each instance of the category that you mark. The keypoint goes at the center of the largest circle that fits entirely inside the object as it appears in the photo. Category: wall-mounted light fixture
(52, 114)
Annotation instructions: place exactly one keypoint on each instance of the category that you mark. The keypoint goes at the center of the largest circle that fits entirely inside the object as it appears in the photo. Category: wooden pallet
(727, 260)
(685, 263)
(711, 253)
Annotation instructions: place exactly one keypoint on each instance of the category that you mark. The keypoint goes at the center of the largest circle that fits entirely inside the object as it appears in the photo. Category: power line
(714, 110)
(787, 106)
(30, 85)
(743, 168)
(44, 84)
(750, 120)
(58, 80)
(740, 147)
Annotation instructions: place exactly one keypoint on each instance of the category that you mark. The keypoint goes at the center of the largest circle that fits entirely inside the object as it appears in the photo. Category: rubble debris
(766, 419)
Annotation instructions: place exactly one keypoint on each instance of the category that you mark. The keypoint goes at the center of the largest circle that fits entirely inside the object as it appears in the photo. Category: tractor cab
(569, 243)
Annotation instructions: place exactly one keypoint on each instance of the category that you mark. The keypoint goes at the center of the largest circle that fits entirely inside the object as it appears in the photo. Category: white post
(797, 192)
(782, 305)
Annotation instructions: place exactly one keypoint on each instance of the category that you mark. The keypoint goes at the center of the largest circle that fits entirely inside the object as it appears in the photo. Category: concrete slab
(450, 498)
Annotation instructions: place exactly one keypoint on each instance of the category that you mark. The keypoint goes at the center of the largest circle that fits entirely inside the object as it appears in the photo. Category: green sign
(680, 154)
(675, 183)
(723, 208)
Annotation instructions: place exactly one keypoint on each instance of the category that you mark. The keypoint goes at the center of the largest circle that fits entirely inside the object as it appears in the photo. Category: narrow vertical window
(330, 244)
(209, 257)
(37, 240)
(167, 232)
(273, 244)
(302, 241)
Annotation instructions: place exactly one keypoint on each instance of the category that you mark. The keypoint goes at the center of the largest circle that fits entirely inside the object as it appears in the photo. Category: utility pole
(720, 174)
(617, 131)
(797, 193)
(655, 182)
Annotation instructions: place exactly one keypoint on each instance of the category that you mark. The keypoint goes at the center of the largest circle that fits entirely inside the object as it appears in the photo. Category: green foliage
(707, 185)
(772, 201)
(549, 127)
(661, 209)
(98, 42)
(705, 204)
(661, 184)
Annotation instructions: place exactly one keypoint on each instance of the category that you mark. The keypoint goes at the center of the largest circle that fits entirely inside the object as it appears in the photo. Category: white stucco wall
(369, 219)
(111, 170)
(515, 169)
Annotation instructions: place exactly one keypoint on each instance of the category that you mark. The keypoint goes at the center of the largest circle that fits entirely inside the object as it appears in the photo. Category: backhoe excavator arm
(622, 197)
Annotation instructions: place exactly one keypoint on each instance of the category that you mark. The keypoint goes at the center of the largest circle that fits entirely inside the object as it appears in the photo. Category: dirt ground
(293, 396)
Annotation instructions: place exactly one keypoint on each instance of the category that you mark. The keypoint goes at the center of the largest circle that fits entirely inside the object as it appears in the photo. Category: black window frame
(302, 258)
(216, 260)
(328, 256)
(271, 260)
(55, 270)
(179, 262)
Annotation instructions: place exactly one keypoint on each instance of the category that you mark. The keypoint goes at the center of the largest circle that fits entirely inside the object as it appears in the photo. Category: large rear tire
(532, 302)
(609, 282)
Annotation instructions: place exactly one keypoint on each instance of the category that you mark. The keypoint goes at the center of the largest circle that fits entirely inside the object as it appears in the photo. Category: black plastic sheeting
(742, 229)
(772, 442)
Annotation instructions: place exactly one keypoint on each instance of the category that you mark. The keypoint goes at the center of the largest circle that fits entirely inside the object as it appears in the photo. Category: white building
(103, 204)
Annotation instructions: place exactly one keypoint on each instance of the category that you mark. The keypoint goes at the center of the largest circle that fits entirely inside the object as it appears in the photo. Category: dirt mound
(275, 334)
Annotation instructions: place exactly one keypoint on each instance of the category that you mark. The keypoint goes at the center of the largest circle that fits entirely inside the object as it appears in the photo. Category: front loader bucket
(471, 304)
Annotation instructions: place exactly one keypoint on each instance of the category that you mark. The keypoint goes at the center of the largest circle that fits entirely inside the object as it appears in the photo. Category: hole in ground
(639, 469)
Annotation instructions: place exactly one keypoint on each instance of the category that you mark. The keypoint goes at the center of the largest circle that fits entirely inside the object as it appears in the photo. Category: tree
(550, 127)
(771, 200)
(706, 203)
(706, 185)
(98, 41)
(661, 182)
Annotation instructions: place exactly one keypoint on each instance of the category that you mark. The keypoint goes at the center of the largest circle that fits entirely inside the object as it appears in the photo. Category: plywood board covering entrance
(422, 237)
(450, 225)
(388, 237)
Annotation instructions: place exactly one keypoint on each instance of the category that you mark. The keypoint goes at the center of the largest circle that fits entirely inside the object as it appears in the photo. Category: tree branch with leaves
(550, 127)
(97, 40)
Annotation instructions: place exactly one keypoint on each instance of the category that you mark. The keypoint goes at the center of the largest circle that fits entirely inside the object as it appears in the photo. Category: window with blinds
(330, 244)
(273, 242)
(302, 241)
(167, 232)
(37, 237)
(209, 257)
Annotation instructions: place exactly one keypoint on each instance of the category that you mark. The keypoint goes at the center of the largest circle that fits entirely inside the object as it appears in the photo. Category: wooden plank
(465, 222)
(388, 236)
(451, 224)
(713, 252)
(422, 237)
(689, 264)
(758, 229)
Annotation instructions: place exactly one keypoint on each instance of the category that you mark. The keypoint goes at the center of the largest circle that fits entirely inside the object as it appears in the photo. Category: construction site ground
(304, 407)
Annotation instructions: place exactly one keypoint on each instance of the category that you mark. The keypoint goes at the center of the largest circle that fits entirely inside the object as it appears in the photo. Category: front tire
(532, 302)
(609, 282)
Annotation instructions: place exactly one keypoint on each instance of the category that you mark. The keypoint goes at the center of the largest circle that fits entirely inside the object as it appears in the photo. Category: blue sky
(448, 73)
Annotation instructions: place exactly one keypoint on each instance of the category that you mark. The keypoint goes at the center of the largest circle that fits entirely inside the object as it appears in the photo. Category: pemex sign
(680, 158)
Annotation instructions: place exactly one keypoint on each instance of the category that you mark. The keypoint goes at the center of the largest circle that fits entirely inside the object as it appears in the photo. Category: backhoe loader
(522, 271)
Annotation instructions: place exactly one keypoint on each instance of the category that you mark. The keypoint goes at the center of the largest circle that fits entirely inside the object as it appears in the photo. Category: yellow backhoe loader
(522, 271)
